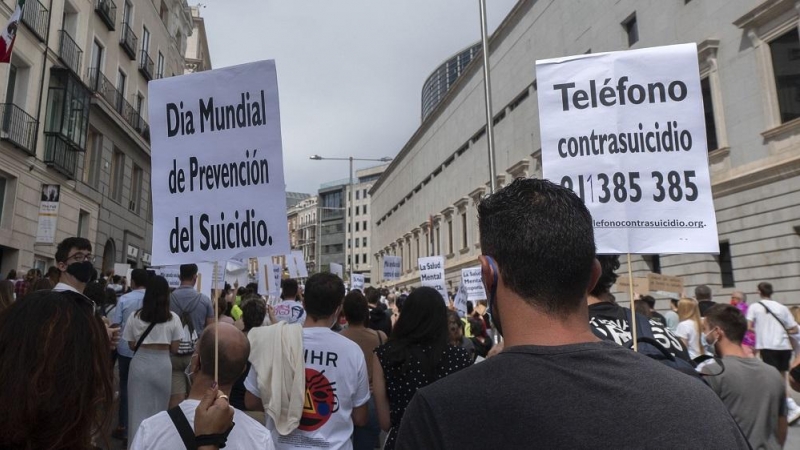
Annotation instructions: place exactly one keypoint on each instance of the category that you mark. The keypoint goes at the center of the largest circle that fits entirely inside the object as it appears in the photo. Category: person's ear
(62, 266)
(597, 271)
(487, 274)
(195, 363)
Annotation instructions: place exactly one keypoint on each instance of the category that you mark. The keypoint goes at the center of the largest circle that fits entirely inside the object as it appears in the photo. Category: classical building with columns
(749, 58)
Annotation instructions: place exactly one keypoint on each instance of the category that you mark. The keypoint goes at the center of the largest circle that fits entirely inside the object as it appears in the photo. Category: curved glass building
(439, 82)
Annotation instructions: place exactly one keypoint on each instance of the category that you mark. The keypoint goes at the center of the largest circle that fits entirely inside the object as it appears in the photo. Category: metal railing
(107, 11)
(70, 53)
(35, 15)
(59, 155)
(18, 127)
(146, 65)
(103, 86)
(128, 40)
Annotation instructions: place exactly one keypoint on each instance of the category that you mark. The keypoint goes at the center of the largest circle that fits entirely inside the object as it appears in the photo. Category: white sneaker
(794, 414)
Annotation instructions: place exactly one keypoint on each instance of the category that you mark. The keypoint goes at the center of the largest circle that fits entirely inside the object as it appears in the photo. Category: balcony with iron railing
(70, 53)
(35, 15)
(128, 40)
(18, 127)
(107, 11)
(103, 86)
(146, 65)
(60, 155)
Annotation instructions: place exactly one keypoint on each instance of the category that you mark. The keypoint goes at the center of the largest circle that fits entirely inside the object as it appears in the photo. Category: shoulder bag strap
(144, 335)
(183, 426)
(776, 317)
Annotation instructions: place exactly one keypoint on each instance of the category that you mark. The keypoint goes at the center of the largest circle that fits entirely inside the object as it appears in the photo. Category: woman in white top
(150, 375)
(690, 326)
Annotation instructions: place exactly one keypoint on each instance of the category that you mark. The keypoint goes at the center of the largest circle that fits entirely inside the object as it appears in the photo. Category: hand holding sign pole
(625, 131)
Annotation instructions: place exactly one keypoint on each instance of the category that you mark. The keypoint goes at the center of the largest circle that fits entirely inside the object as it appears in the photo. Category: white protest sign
(358, 281)
(207, 280)
(460, 302)
(300, 263)
(291, 266)
(270, 275)
(172, 274)
(122, 269)
(626, 132)
(392, 267)
(216, 148)
(337, 269)
(431, 273)
(472, 282)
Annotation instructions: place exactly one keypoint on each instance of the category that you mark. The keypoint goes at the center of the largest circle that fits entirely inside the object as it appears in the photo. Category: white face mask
(707, 339)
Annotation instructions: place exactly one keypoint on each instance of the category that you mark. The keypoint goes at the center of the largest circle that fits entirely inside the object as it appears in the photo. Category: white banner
(337, 269)
(358, 281)
(472, 282)
(392, 268)
(300, 263)
(626, 132)
(48, 214)
(270, 275)
(460, 301)
(431, 273)
(216, 146)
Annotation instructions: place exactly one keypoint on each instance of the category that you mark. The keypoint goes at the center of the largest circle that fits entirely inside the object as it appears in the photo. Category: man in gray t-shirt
(186, 299)
(753, 391)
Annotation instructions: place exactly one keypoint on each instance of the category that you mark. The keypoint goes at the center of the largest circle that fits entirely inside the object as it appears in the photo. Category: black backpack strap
(183, 426)
(144, 335)
(775, 316)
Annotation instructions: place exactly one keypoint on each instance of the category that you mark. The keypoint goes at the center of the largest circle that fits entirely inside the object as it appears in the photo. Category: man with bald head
(159, 431)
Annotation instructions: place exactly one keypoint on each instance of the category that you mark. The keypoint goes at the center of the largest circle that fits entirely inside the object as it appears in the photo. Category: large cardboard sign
(392, 268)
(431, 273)
(626, 132)
(472, 282)
(217, 166)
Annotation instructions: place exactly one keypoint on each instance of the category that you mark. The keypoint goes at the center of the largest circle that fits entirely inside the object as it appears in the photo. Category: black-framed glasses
(81, 257)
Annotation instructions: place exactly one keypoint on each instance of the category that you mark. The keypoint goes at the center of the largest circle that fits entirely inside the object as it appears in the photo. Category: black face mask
(82, 271)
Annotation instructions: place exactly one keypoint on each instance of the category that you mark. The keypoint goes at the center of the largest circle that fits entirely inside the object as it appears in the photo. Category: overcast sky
(350, 72)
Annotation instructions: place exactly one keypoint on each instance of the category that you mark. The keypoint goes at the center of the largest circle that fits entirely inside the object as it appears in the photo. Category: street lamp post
(351, 199)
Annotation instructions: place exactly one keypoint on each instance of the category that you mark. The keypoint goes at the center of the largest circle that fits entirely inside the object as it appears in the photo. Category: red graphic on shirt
(320, 402)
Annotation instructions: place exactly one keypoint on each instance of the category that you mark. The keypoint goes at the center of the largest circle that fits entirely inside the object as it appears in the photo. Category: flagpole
(487, 89)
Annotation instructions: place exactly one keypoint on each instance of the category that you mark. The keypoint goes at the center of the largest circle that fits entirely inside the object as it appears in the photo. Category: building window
(358, 242)
(3, 188)
(449, 237)
(164, 13)
(364, 257)
(160, 66)
(93, 158)
(364, 225)
(117, 175)
(136, 189)
(364, 208)
(726, 265)
(653, 263)
(122, 80)
(66, 121)
(358, 210)
(438, 238)
(145, 40)
(631, 27)
(708, 109)
(365, 193)
(83, 224)
(364, 242)
(357, 194)
(464, 230)
(357, 226)
(786, 65)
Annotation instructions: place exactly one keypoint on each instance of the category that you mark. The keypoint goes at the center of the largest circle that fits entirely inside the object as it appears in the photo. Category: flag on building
(9, 33)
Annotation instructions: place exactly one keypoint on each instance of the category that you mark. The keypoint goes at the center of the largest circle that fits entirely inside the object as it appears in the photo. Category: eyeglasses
(81, 257)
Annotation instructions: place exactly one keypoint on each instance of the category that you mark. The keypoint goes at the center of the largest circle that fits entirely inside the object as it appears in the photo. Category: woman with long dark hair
(6, 294)
(150, 375)
(56, 388)
(416, 354)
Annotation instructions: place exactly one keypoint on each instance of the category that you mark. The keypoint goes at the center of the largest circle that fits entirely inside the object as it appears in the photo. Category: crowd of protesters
(87, 359)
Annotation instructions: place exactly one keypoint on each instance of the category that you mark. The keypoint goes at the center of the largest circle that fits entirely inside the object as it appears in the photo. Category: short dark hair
(355, 308)
(765, 289)
(651, 302)
(702, 292)
(188, 271)
(254, 309)
(541, 236)
(324, 293)
(62, 251)
(289, 288)
(373, 295)
(609, 264)
(139, 277)
(729, 319)
(231, 363)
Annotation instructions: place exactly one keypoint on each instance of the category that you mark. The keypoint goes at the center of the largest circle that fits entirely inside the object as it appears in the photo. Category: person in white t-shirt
(290, 310)
(159, 432)
(690, 327)
(337, 384)
(773, 323)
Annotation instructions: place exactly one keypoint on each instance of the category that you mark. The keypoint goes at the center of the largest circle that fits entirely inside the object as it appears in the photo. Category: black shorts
(778, 359)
